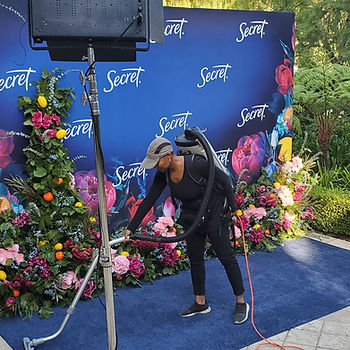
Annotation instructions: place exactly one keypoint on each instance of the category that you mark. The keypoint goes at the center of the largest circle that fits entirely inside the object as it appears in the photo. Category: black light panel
(86, 19)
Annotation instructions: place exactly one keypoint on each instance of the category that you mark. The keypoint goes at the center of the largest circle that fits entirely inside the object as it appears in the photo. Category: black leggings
(226, 254)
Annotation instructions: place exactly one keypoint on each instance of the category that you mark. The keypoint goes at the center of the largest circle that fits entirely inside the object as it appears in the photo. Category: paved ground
(331, 332)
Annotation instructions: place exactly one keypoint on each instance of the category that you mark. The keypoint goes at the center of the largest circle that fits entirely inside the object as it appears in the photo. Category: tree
(324, 93)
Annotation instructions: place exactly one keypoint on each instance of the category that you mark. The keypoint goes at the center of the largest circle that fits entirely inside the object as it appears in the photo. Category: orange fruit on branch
(48, 196)
(58, 182)
(59, 255)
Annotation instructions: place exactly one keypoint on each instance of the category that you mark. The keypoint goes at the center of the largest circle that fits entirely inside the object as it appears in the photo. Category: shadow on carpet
(297, 283)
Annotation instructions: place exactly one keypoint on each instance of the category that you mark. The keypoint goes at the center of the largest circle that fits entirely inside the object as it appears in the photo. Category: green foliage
(335, 177)
(323, 93)
(332, 210)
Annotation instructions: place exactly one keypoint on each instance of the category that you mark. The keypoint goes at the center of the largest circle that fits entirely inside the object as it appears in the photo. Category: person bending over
(183, 187)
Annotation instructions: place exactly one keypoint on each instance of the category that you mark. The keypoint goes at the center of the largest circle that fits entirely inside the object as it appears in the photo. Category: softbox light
(112, 27)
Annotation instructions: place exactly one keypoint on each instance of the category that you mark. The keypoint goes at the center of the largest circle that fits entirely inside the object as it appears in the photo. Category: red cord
(252, 294)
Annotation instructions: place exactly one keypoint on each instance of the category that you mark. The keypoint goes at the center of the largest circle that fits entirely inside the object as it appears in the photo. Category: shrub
(332, 210)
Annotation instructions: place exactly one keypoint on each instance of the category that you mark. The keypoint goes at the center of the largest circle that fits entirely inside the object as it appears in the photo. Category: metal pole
(105, 253)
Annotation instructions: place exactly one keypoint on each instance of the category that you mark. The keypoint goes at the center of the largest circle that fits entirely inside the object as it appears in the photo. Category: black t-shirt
(189, 192)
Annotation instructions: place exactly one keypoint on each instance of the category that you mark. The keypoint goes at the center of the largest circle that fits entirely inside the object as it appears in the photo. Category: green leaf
(45, 311)
(27, 99)
(40, 172)
(45, 73)
(8, 242)
(38, 186)
(28, 122)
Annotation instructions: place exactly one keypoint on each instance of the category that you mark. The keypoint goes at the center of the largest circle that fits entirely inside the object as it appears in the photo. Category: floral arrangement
(271, 211)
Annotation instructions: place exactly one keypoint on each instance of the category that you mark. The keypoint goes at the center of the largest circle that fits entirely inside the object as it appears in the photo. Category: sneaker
(241, 313)
(196, 308)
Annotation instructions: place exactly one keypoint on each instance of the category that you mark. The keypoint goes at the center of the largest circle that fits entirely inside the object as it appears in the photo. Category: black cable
(119, 38)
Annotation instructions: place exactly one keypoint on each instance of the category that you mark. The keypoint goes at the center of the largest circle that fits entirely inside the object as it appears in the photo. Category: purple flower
(88, 290)
(22, 219)
(261, 189)
(86, 184)
(249, 155)
(137, 268)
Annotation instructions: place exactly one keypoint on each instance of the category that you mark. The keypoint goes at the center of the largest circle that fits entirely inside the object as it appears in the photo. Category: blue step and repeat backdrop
(227, 71)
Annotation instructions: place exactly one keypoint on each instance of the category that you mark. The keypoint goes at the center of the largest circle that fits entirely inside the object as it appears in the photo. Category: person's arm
(153, 194)
(221, 177)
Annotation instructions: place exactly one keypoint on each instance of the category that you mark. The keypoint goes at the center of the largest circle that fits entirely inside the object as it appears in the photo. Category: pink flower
(83, 253)
(159, 228)
(168, 208)
(10, 303)
(51, 133)
(259, 213)
(249, 155)
(286, 223)
(68, 279)
(170, 258)
(238, 232)
(239, 199)
(37, 118)
(297, 196)
(260, 189)
(277, 225)
(46, 122)
(86, 183)
(56, 118)
(307, 214)
(6, 148)
(120, 263)
(171, 234)
(263, 199)
(137, 267)
(11, 253)
(166, 220)
(257, 235)
(88, 290)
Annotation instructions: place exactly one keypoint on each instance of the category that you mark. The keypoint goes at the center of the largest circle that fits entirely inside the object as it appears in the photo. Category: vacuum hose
(192, 133)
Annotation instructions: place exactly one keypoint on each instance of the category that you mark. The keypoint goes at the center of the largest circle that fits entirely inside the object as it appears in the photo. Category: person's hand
(126, 234)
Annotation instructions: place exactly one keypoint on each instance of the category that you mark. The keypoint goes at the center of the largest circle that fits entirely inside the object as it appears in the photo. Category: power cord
(267, 342)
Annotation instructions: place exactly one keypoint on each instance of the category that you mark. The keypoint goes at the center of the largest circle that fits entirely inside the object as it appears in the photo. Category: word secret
(255, 28)
(223, 155)
(175, 27)
(82, 127)
(127, 76)
(173, 122)
(17, 77)
(218, 72)
(134, 170)
(257, 111)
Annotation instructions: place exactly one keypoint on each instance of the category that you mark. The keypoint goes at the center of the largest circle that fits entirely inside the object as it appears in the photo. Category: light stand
(105, 251)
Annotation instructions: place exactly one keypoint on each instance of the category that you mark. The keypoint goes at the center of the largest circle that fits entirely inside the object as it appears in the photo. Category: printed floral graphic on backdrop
(257, 151)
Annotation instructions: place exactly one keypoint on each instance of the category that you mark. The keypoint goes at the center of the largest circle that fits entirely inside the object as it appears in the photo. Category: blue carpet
(297, 283)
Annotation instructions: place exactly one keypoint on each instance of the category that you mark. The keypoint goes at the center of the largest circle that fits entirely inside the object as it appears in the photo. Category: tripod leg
(31, 344)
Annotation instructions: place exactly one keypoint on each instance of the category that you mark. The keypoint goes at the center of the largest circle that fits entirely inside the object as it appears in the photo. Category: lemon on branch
(42, 101)
(2, 275)
(61, 134)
